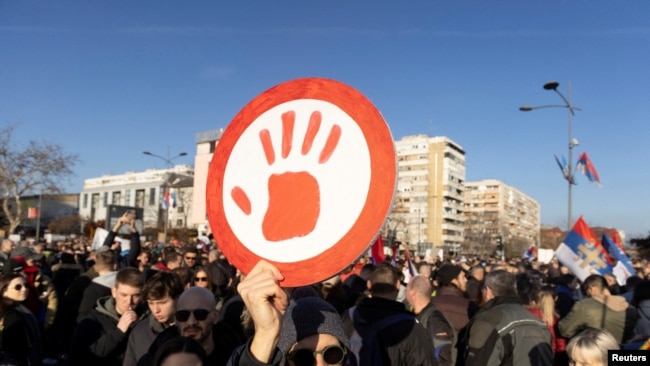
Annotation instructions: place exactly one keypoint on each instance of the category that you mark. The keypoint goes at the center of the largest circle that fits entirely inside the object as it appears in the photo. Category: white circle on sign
(343, 180)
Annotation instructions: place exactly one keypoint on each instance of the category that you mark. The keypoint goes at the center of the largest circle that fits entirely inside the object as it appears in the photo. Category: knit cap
(447, 273)
(309, 315)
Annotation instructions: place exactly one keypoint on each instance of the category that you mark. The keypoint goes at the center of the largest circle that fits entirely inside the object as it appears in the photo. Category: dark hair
(105, 259)
(162, 284)
(383, 279)
(185, 275)
(208, 274)
(130, 277)
(501, 282)
(641, 292)
(596, 281)
(179, 345)
(171, 257)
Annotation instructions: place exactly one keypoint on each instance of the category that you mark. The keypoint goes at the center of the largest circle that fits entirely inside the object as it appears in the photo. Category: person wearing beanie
(305, 331)
(451, 298)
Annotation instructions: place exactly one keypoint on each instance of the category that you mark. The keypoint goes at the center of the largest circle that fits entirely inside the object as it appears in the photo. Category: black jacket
(20, 339)
(402, 343)
(99, 287)
(130, 260)
(141, 338)
(97, 341)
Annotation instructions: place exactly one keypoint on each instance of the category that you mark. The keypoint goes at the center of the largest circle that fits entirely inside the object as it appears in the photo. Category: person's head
(196, 314)
(127, 290)
(477, 273)
(180, 351)
(185, 274)
(384, 281)
(452, 275)
(213, 255)
(160, 292)
(13, 287)
(104, 262)
(590, 347)
(595, 285)
(191, 257)
(202, 278)
(499, 283)
(418, 292)
(173, 260)
(544, 300)
(424, 269)
(144, 258)
(7, 246)
(312, 333)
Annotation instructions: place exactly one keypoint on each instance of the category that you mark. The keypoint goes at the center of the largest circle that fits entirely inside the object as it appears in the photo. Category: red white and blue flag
(583, 253)
(623, 267)
(587, 168)
(409, 263)
(530, 254)
(165, 199)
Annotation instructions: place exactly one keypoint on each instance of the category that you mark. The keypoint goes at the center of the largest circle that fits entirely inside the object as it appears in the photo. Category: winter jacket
(503, 332)
(611, 313)
(242, 357)
(442, 332)
(20, 338)
(456, 307)
(643, 326)
(401, 343)
(97, 341)
(557, 343)
(141, 338)
(99, 287)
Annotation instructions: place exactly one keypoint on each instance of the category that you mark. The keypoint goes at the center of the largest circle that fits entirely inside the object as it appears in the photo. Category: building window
(117, 198)
(85, 205)
(179, 223)
(152, 196)
(180, 209)
(105, 199)
(139, 198)
(127, 197)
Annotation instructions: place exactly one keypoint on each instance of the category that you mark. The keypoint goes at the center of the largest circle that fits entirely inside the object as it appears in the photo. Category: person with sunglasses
(304, 332)
(20, 338)
(196, 318)
(191, 258)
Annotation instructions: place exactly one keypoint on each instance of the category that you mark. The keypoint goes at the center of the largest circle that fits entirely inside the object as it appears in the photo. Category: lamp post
(169, 164)
(552, 85)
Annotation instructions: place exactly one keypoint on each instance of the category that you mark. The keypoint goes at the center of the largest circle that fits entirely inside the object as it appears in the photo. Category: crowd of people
(185, 304)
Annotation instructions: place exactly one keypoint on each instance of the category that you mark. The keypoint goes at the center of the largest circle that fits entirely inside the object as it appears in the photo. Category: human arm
(134, 250)
(266, 302)
(573, 322)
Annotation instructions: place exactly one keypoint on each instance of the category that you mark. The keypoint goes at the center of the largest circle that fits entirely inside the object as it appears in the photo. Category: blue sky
(109, 79)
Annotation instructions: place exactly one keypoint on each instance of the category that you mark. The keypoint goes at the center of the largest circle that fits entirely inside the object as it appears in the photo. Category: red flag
(377, 250)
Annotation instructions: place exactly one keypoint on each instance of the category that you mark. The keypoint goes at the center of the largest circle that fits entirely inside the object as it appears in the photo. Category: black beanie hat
(447, 273)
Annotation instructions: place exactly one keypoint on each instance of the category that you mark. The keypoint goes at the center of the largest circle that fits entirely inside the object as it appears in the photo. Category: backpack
(364, 343)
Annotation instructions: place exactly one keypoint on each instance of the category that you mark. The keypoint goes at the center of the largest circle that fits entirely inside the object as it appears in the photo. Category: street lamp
(552, 85)
(168, 162)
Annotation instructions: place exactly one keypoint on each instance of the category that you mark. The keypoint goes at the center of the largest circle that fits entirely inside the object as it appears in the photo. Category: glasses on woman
(332, 355)
(200, 279)
(199, 314)
(19, 287)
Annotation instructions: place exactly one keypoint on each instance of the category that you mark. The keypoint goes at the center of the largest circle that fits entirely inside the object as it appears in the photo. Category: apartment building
(428, 209)
(143, 190)
(206, 142)
(494, 209)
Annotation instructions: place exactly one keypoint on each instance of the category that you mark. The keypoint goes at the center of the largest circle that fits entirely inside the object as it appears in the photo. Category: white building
(143, 190)
(428, 208)
(205, 144)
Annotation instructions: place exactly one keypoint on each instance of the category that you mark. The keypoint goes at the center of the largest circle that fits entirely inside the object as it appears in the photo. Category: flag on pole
(165, 199)
(565, 169)
(623, 267)
(409, 264)
(172, 199)
(617, 239)
(582, 253)
(585, 166)
(530, 254)
(377, 252)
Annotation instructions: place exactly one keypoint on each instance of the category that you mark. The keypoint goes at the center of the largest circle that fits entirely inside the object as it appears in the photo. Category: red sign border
(383, 168)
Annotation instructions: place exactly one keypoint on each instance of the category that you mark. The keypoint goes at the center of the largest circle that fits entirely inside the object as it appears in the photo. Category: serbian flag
(623, 268)
(409, 264)
(165, 199)
(377, 251)
(587, 168)
(582, 253)
(617, 239)
(530, 254)
(565, 169)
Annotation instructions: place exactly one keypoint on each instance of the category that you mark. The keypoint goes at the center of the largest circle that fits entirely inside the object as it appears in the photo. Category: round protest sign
(303, 177)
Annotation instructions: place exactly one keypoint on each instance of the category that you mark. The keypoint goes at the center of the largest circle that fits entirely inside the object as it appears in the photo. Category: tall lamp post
(169, 164)
(552, 85)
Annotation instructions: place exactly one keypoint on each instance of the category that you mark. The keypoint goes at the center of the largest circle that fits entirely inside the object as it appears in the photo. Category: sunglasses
(200, 279)
(18, 287)
(199, 314)
(332, 355)
(190, 258)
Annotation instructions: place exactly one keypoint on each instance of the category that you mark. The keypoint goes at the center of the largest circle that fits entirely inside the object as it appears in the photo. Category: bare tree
(27, 169)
